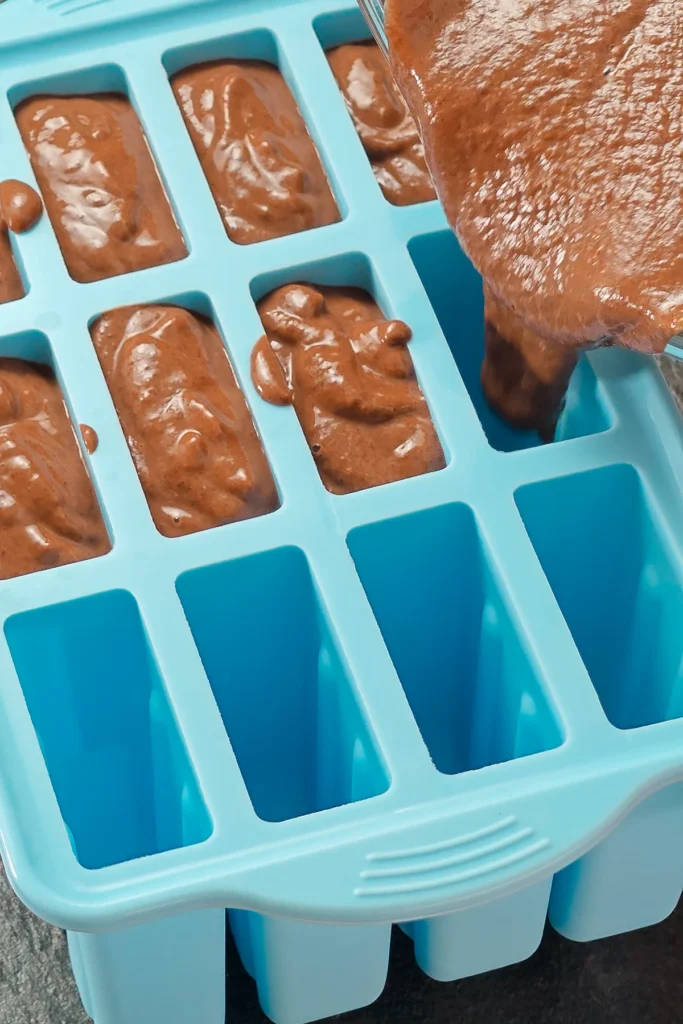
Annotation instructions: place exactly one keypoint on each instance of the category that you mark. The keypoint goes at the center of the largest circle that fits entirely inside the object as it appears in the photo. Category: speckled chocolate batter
(259, 160)
(101, 187)
(383, 122)
(188, 427)
(347, 372)
(554, 130)
(48, 510)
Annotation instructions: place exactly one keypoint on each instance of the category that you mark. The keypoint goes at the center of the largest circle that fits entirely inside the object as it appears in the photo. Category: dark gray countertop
(632, 979)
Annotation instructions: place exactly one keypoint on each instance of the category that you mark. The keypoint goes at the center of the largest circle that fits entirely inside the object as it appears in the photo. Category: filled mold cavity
(454, 289)
(117, 763)
(288, 706)
(49, 512)
(100, 184)
(377, 109)
(470, 682)
(199, 459)
(260, 162)
(619, 585)
(360, 407)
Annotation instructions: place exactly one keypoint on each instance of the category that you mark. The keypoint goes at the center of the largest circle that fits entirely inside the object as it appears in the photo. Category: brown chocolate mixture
(20, 208)
(347, 372)
(48, 510)
(188, 427)
(20, 205)
(90, 438)
(259, 160)
(554, 132)
(11, 285)
(383, 122)
(100, 184)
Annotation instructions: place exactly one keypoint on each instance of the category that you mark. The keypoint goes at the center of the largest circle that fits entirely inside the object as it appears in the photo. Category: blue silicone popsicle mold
(454, 702)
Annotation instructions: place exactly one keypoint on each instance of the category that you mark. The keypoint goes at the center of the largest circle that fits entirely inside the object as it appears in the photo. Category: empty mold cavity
(112, 748)
(300, 738)
(455, 292)
(470, 683)
(126, 221)
(619, 585)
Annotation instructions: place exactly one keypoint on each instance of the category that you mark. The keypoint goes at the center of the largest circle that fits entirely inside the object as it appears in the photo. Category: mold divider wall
(193, 705)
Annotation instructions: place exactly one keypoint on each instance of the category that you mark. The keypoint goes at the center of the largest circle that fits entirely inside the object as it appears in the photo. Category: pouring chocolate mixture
(554, 132)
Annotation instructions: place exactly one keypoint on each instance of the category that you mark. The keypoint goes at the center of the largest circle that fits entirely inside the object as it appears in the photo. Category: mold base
(632, 879)
(170, 971)
(484, 938)
(306, 972)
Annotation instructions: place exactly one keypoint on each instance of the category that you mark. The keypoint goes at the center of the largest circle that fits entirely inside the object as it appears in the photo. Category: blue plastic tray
(459, 695)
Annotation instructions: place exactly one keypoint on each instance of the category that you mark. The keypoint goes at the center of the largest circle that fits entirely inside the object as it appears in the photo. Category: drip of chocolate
(259, 160)
(553, 130)
(20, 206)
(20, 209)
(189, 429)
(11, 285)
(347, 371)
(90, 438)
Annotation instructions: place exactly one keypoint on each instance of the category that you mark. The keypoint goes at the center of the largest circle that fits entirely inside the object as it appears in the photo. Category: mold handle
(457, 860)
